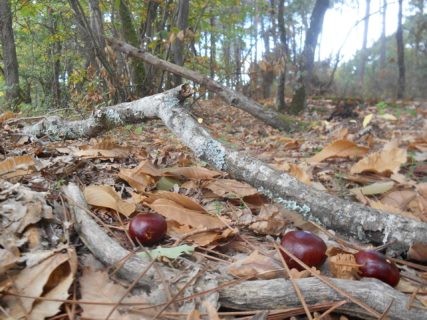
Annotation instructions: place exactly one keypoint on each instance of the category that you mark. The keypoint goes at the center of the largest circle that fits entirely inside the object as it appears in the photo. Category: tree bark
(350, 219)
(137, 71)
(281, 81)
(10, 61)
(363, 54)
(177, 46)
(383, 37)
(236, 99)
(400, 54)
(305, 75)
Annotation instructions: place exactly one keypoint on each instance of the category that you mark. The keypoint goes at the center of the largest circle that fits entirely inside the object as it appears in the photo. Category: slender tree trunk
(178, 45)
(307, 61)
(364, 56)
(10, 62)
(137, 72)
(212, 57)
(280, 95)
(383, 38)
(400, 54)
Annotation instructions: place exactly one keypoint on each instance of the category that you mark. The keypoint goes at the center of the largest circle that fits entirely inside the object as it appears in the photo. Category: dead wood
(279, 293)
(350, 219)
(269, 116)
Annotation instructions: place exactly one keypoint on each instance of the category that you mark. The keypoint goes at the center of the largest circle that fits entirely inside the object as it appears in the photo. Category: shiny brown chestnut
(375, 265)
(306, 246)
(147, 228)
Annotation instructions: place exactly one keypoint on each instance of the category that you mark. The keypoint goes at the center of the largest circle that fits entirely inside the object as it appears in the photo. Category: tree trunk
(400, 54)
(128, 32)
(305, 75)
(178, 44)
(363, 54)
(54, 53)
(383, 37)
(10, 62)
(281, 81)
(212, 55)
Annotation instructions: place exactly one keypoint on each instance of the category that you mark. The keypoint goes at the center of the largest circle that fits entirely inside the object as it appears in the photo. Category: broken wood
(352, 220)
(269, 116)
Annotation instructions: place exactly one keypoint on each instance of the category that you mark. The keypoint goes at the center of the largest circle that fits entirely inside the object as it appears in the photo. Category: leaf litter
(213, 220)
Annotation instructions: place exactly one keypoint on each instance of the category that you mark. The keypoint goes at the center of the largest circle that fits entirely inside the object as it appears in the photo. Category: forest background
(56, 57)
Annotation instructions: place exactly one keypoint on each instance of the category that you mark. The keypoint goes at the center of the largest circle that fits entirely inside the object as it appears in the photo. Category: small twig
(331, 309)
(129, 289)
(294, 284)
(383, 316)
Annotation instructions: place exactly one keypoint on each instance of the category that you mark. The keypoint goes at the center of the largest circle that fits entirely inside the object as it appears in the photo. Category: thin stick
(133, 284)
(333, 286)
(335, 306)
(294, 284)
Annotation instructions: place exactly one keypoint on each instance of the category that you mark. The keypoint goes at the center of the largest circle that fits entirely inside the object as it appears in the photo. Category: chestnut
(147, 228)
(375, 265)
(306, 246)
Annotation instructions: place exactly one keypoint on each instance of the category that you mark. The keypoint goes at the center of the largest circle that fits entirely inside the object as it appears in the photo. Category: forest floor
(377, 156)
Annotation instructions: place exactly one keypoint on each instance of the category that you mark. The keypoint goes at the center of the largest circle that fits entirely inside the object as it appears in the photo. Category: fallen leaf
(296, 171)
(230, 188)
(174, 211)
(343, 266)
(339, 148)
(384, 162)
(106, 197)
(49, 279)
(367, 119)
(399, 199)
(171, 253)
(96, 286)
(17, 166)
(388, 116)
(269, 221)
(418, 252)
(375, 188)
(256, 266)
(192, 172)
(7, 260)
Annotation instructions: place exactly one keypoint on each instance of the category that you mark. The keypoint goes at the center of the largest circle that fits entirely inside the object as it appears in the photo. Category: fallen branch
(269, 116)
(348, 218)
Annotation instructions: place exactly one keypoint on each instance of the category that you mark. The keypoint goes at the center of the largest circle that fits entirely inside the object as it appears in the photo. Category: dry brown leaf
(181, 199)
(399, 199)
(256, 266)
(138, 181)
(296, 274)
(7, 115)
(230, 188)
(384, 162)
(300, 174)
(106, 197)
(339, 148)
(192, 172)
(106, 148)
(174, 211)
(418, 252)
(203, 238)
(97, 287)
(375, 188)
(50, 279)
(343, 266)
(211, 310)
(269, 221)
(17, 166)
(7, 260)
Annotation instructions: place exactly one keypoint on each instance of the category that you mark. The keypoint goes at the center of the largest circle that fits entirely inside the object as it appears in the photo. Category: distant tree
(383, 37)
(400, 54)
(10, 62)
(305, 74)
(364, 54)
(177, 46)
(280, 95)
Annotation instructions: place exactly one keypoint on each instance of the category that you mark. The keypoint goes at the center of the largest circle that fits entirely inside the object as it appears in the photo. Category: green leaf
(171, 253)
(166, 183)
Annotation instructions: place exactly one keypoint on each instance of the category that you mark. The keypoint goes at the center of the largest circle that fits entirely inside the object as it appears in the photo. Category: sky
(340, 20)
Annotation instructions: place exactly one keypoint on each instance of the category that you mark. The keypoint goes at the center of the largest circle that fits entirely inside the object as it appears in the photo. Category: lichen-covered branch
(348, 218)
